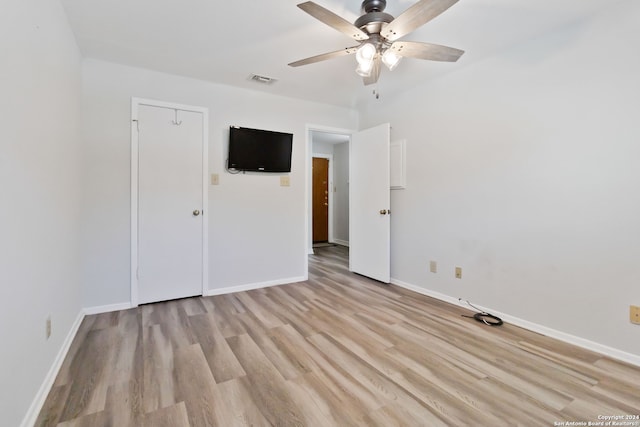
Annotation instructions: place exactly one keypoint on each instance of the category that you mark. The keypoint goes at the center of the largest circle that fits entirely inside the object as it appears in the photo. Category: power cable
(482, 316)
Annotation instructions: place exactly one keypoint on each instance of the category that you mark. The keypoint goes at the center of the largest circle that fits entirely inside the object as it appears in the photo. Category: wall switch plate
(433, 266)
(215, 179)
(284, 181)
(458, 272)
(634, 314)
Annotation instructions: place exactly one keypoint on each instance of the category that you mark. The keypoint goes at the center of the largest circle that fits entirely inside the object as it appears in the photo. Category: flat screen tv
(259, 150)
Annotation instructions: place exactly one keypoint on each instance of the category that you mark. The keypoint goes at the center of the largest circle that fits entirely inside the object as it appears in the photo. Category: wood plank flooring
(337, 350)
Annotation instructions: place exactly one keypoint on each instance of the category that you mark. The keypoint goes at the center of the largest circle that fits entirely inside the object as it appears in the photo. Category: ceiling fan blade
(333, 20)
(432, 52)
(375, 72)
(325, 56)
(417, 15)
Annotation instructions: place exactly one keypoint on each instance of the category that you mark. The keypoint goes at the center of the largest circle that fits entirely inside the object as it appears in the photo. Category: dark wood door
(320, 199)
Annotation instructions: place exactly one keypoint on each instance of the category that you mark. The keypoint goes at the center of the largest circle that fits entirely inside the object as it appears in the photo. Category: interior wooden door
(170, 203)
(320, 199)
(369, 204)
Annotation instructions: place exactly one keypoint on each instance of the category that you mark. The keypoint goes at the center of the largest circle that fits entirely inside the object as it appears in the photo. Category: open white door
(369, 204)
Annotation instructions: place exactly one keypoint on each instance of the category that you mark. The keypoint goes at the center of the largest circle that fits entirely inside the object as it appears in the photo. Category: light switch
(284, 181)
(215, 179)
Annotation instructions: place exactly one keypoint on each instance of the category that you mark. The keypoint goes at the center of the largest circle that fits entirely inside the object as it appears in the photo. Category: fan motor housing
(373, 22)
(374, 18)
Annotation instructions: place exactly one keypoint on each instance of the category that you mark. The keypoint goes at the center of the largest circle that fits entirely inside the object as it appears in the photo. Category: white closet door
(170, 203)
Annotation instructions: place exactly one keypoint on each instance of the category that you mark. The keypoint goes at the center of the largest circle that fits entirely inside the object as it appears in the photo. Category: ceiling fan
(378, 32)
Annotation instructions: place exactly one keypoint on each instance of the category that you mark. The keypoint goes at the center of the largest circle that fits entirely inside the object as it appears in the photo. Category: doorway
(168, 201)
(329, 149)
(367, 207)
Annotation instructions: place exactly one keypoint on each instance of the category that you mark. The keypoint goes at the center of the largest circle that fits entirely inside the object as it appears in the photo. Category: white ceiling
(226, 41)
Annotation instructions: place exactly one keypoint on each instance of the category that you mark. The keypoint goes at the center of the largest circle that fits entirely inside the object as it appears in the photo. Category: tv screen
(259, 150)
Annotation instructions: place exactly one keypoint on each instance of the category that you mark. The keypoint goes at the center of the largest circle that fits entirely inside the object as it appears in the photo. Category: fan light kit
(378, 34)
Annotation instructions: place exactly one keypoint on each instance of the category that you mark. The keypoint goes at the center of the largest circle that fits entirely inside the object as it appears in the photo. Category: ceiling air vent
(262, 79)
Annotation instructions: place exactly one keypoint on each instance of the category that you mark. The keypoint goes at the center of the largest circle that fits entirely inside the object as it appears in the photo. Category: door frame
(135, 104)
(330, 187)
(309, 128)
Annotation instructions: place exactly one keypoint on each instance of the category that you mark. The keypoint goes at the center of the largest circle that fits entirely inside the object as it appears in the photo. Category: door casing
(135, 103)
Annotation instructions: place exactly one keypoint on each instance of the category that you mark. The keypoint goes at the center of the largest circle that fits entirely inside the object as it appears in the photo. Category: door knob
(326, 204)
(196, 212)
(383, 212)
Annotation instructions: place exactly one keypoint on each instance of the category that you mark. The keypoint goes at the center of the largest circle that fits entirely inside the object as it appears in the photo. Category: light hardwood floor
(338, 350)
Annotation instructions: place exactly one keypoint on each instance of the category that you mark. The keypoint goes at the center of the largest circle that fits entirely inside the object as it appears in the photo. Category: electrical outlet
(48, 327)
(433, 266)
(284, 181)
(458, 272)
(215, 179)
(634, 314)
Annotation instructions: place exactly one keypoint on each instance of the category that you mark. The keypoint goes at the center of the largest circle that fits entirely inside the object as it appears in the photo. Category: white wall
(341, 195)
(523, 170)
(322, 148)
(256, 228)
(40, 194)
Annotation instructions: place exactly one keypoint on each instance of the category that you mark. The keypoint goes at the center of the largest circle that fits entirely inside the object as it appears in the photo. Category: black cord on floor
(482, 316)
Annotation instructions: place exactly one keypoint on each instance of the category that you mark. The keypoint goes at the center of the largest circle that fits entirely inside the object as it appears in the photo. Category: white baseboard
(544, 330)
(341, 242)
(36, 406)
(107, 308)
(251, 286)
(427, 292)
